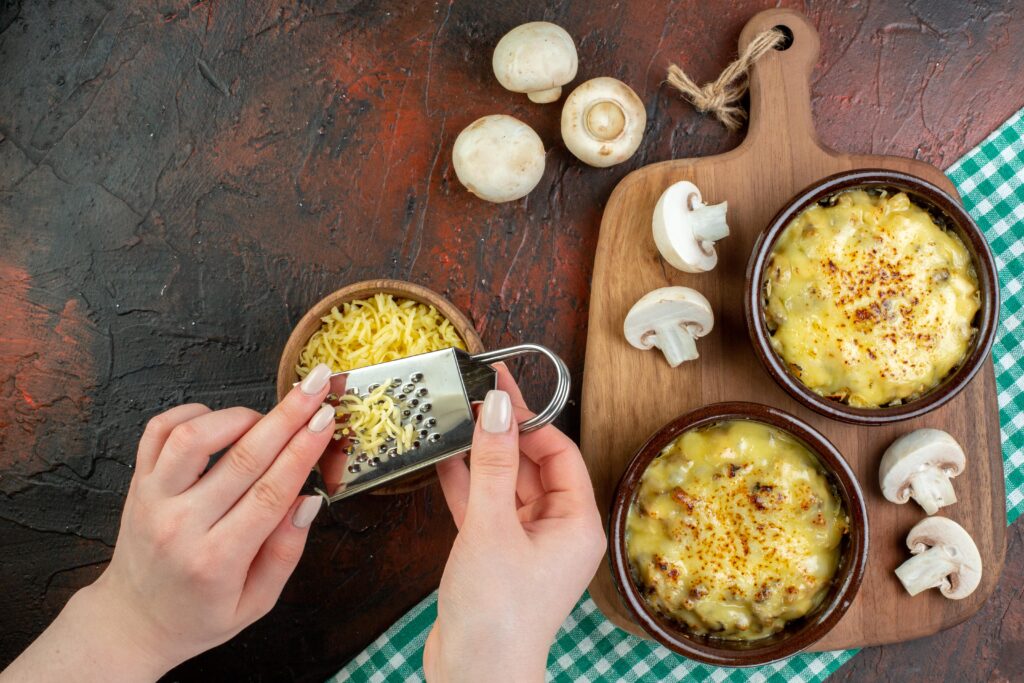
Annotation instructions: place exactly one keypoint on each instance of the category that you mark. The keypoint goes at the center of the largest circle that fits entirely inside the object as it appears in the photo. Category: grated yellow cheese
(373, 419)
(366, 332)
(375, 330)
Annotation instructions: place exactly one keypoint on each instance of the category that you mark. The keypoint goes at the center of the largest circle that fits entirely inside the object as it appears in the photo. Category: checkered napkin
(588, 647)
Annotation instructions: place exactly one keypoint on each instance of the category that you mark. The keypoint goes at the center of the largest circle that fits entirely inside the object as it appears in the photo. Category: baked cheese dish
(869, 301)
(735, 531)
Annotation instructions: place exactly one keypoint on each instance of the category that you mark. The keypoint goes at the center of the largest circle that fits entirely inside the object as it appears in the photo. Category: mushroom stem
(709, 223)
(929, 569)
(675, 342)
(545, 96)
(932, 489)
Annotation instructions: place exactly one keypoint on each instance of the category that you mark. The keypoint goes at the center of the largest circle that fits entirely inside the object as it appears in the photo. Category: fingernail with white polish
(307, 511)
(316, 380)
(496, 413)
(322, 418)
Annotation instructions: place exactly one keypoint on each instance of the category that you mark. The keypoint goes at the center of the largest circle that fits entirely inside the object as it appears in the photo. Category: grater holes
(354, 468)
(419, 418)
(430, 423)
(416, 377)
(374, 462)
(421, 392)
(425, 408)
(434, 438)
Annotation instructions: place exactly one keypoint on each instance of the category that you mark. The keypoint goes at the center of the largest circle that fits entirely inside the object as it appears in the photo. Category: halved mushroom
(603, 122)
(537, 58)
(686, 229)
(498, 158)
(945, 557)
(671, 318)
(919, 465)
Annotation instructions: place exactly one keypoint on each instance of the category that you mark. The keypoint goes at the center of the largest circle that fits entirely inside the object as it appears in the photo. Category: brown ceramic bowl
(949, 214)
(798, 634)
(310, 323)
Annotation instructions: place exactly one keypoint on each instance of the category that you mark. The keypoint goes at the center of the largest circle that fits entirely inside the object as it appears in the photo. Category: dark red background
(180, 180)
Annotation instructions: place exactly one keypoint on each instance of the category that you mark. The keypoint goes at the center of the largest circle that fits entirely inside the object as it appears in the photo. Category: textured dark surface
(179, 180)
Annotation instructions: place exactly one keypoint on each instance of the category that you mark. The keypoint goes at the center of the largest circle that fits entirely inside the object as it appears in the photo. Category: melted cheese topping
(735, 531)
(869, 301)
(366, 332)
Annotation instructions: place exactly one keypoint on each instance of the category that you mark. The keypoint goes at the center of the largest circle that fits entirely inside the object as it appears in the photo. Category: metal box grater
(435, 392)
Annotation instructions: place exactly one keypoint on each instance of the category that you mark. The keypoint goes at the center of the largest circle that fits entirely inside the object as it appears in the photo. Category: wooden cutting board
(628, 394)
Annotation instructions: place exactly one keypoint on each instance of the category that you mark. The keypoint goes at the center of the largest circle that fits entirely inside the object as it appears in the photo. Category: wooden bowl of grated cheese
(372, 322)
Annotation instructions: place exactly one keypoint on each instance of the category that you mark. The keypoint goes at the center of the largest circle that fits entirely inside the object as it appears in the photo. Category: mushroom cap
(914, 452)
(669, 305)
(673, 230)
(959, 548)
(535, 57)
(603, 122)
(498, 158)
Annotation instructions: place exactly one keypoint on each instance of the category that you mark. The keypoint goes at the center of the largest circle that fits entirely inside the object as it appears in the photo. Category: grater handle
(562, 385)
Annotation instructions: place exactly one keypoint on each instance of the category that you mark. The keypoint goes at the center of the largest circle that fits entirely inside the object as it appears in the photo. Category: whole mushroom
(686, 229)
(537, 58)
(944, 557)
(919, 465)
(672, 319)
(498, 158)
(603, 122)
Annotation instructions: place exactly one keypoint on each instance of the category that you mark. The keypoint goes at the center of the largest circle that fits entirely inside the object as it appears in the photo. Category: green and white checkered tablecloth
(588, 647)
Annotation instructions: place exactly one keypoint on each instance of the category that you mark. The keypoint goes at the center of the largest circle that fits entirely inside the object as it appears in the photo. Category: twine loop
(720, 96)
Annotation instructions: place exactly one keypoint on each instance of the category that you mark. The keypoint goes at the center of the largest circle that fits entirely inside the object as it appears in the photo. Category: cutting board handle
(780, 96)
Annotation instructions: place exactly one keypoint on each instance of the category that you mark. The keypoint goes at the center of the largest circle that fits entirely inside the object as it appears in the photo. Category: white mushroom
(603, 122)
(537, 58)
(919, 465)
(686, 229)
(945, 557)
(671, 318)
(498, 158)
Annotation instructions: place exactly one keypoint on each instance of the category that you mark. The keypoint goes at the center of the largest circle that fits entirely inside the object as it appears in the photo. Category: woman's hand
(199, 556)
(530, 539)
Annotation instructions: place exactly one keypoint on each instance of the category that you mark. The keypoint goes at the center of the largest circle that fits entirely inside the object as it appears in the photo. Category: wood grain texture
(160, 238)
(780, 156)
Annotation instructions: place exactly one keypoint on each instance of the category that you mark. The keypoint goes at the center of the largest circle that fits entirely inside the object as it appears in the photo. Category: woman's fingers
(560, 466)
(454, 476)
(529, 486)
(260, 510)
(158, 429)
(494, 461)
(189, 445)
(249, 459)
(277, 559)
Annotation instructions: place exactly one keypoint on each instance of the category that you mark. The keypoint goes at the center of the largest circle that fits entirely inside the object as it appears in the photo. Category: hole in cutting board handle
(788, 33)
